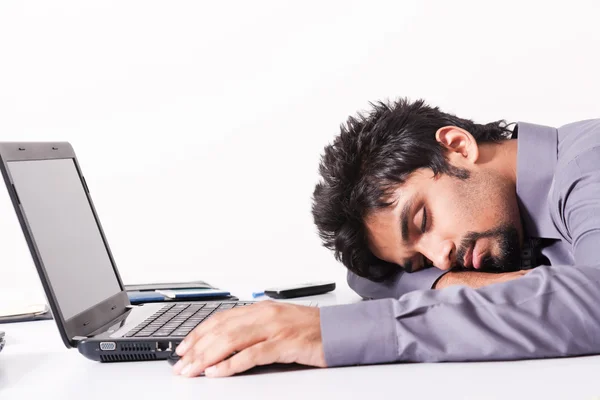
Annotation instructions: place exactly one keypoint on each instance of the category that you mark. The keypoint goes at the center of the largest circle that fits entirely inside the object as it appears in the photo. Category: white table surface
(36, 365)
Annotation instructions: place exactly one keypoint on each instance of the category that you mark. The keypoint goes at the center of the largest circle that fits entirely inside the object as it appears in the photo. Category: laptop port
(108, 346)
(163, 346)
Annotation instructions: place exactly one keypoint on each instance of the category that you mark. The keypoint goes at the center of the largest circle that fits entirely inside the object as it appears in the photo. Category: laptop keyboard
(179, 319)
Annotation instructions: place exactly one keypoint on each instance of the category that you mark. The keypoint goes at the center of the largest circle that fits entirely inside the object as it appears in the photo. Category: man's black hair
(374, 154)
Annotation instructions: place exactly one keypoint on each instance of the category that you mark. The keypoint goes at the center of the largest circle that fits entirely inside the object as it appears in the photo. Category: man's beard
(509, 256)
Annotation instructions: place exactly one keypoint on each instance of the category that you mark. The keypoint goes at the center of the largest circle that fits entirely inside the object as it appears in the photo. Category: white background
(199, 124)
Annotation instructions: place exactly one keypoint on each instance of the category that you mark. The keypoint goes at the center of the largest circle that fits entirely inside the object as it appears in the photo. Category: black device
(306, 289)
(76, 267)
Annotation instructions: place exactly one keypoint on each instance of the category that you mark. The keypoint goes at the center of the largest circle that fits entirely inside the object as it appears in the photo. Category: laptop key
(178, 319)
(204, 312)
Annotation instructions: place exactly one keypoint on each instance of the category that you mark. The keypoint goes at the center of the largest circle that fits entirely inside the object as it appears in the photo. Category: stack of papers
(193, 293)
(21, 313)
(152, 296)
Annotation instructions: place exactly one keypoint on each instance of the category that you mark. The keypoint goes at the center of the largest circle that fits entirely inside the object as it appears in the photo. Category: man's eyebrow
(404, 219)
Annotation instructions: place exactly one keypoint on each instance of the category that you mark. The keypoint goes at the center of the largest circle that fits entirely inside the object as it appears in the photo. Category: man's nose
(442, 255)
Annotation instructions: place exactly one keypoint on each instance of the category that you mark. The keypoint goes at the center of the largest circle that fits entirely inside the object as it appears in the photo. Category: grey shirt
(550, 312)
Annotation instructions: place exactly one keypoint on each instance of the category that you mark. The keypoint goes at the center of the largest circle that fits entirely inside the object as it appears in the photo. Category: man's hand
(476, 279)
(263, 333)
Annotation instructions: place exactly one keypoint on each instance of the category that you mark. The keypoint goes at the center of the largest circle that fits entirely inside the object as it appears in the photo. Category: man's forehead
(382, 225)
(402, 192)
(396, 199)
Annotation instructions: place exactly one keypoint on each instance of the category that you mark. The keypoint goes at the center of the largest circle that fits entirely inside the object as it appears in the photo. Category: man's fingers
(212, 343)
(207, 326)
(266, 334)
(260, 354)
(214, 348)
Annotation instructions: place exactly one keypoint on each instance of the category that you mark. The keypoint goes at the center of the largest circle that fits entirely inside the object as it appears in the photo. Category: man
(414, 199)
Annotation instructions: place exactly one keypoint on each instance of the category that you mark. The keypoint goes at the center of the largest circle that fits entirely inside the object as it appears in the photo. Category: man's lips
(473, 256)
(477, 256)
(468, 256)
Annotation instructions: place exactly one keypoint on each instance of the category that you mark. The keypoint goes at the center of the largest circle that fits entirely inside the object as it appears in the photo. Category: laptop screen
(66, 233)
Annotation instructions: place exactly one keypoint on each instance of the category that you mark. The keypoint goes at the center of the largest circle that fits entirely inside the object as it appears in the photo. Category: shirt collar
(537, 152)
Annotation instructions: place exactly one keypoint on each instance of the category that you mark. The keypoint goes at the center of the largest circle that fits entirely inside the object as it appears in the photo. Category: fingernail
(178, 366)
(186, 369)
(211, 371)
(181, 348)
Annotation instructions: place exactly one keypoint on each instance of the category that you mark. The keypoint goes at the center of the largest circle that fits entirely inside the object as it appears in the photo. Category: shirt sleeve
(550, 312)
(395, 287)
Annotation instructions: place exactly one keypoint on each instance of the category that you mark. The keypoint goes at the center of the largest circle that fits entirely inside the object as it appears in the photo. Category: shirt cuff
(359, 333)
(419, 280)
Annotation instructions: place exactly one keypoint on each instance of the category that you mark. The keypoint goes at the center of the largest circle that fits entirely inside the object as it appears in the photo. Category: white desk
(36, 365)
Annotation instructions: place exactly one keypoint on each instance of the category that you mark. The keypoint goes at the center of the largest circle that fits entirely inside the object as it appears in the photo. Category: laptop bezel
(92, 319)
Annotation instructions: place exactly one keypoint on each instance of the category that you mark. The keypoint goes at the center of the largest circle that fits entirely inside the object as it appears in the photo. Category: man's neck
(501, 157)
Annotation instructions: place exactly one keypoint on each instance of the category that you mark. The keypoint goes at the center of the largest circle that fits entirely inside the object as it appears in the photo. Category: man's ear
(459, 142)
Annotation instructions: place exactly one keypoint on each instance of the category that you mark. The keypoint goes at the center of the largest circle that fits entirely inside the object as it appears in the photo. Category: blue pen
(257, 294)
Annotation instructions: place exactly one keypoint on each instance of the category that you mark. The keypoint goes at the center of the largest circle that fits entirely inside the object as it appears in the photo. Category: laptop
(78, 272)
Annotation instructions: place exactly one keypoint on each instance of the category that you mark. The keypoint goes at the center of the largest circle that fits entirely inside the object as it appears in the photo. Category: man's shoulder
(577, 138)
(578, 142)
(585, 124)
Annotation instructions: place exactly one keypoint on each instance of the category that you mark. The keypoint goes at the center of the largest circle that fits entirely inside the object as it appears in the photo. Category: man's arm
(395, 287)
(476, 279)
(430, 278)
(550, 312)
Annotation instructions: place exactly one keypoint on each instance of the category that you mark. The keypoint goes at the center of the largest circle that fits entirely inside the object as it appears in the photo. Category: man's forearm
(549, 312)
(395, 287)
(475, 279)
(431, 278)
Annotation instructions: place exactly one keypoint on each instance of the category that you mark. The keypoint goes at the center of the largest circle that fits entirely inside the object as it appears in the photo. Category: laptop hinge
(78, 339)
(112, 322)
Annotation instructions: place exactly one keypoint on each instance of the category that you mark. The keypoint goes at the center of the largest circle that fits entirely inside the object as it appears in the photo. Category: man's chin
(495, 266)
(490, 265)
